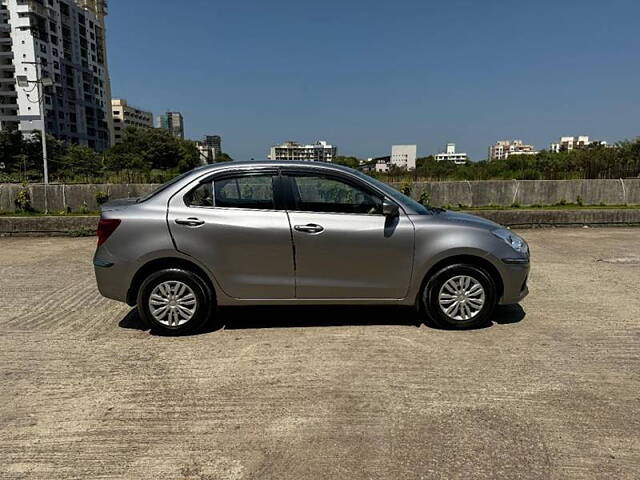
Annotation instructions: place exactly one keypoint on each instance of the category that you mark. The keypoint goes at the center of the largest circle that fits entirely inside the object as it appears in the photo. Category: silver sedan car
(292, 233)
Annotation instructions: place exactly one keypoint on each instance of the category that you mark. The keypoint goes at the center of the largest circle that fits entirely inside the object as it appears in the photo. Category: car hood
(467, 219)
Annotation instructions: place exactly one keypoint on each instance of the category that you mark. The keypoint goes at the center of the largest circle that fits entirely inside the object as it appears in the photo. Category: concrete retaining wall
(49, 225)
(76, 197)
(473, 194)
(559, 218)
(528, 192)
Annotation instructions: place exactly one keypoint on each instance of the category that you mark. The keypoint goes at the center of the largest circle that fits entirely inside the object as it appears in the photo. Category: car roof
(276, 164)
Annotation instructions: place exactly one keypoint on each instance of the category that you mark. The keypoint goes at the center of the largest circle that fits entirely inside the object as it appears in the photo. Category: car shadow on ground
(233, 318)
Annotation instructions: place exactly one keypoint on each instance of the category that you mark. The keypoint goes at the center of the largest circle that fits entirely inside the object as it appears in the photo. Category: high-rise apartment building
(125, 115)
(210, 148)
(320, 151)
(566, 144)
(450, 155)
(174, 122)
(502, 149)
(63, 42)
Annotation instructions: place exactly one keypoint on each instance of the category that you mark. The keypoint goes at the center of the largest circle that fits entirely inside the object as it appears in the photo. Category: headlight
(514, 241)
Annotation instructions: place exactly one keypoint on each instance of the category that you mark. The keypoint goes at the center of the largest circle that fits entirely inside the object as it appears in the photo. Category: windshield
(396, 195)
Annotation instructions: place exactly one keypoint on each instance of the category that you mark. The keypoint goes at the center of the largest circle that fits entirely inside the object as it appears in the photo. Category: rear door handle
(309, 228)
(190, 222)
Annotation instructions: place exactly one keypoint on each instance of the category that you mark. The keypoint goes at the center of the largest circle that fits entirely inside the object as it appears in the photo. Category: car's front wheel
(460, 296)
(174, 301)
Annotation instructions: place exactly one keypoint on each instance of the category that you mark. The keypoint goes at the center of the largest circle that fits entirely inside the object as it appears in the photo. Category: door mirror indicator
(390, 209)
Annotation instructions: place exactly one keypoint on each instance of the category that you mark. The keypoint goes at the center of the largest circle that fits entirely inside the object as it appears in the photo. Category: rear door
(344, 246)
(233, 224)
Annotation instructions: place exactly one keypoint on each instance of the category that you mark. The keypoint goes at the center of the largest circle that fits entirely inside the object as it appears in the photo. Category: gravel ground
(550, 390)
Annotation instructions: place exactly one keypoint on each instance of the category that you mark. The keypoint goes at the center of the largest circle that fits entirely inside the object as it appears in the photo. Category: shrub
(84, 208)
(515, 205)
(102, 197)
(425, 198)
(579, 200)
(23, 199)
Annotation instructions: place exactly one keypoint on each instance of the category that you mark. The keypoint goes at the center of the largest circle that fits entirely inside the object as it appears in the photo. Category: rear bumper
(112, 279)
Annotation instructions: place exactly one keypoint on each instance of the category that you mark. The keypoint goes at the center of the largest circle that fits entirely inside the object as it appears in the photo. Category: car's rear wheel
(460, 296)
(174, 301)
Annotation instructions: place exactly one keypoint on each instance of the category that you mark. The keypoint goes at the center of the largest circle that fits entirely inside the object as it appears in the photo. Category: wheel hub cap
(461, 297)
(172, 303)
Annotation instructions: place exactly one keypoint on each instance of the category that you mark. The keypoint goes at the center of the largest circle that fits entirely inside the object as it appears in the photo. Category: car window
(318, 193)
(201, 196)
(252, 191)
(396, 195)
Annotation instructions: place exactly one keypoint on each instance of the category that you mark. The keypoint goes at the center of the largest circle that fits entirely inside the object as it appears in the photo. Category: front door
(344, 246)
(233, 225)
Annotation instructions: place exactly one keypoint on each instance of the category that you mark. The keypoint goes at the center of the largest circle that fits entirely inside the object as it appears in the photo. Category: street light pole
(40, 83)
(43, 130)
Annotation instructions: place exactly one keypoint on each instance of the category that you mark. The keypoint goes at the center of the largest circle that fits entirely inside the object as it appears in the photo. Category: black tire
(203, 296)
(432, 290)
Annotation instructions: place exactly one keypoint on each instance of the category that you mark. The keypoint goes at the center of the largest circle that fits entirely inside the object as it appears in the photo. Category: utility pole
(45, 161)
(40, 82)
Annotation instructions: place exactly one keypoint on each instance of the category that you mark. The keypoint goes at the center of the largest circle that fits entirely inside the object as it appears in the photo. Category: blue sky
(365, 74)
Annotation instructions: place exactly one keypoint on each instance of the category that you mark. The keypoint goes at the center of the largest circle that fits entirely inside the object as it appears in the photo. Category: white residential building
(125, 115)
(502, 149)
(63, 42)
(320, 151)
(566, 144)
(378, 164)
(450, 155)
(403, 156)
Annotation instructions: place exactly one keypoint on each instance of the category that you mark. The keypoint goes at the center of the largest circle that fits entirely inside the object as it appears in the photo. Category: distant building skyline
(502, 149)
(210, 148)
(125, 115)
(173, 122)
(450, 155)
(320, 151)
(567, 144)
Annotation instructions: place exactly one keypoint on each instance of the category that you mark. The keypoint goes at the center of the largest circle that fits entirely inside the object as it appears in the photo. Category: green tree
(352, 162)
(223, 157)
(144, 149)
(79, 160)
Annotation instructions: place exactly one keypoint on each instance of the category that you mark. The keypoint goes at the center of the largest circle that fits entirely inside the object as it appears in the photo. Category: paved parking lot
(550, 390)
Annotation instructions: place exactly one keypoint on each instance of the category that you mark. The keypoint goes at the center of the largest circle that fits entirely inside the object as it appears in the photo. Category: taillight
(106, 226)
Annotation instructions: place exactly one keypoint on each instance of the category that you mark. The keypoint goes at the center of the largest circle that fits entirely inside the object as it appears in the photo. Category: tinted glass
(201, 196)
(318, 193)
(254, 191)
(396, 195)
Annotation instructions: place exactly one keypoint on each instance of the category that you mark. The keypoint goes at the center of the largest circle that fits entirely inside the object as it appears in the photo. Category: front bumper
(514, 280)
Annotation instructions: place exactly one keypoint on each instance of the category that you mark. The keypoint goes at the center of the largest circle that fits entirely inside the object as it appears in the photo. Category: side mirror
(390, 209)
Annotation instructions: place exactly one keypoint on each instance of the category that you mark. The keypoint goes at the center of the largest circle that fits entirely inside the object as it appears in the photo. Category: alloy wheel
(461, 297)
(172, 303)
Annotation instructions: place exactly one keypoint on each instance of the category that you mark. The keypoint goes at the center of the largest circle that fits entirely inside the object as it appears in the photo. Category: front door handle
(309, 228)
(190, 222)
